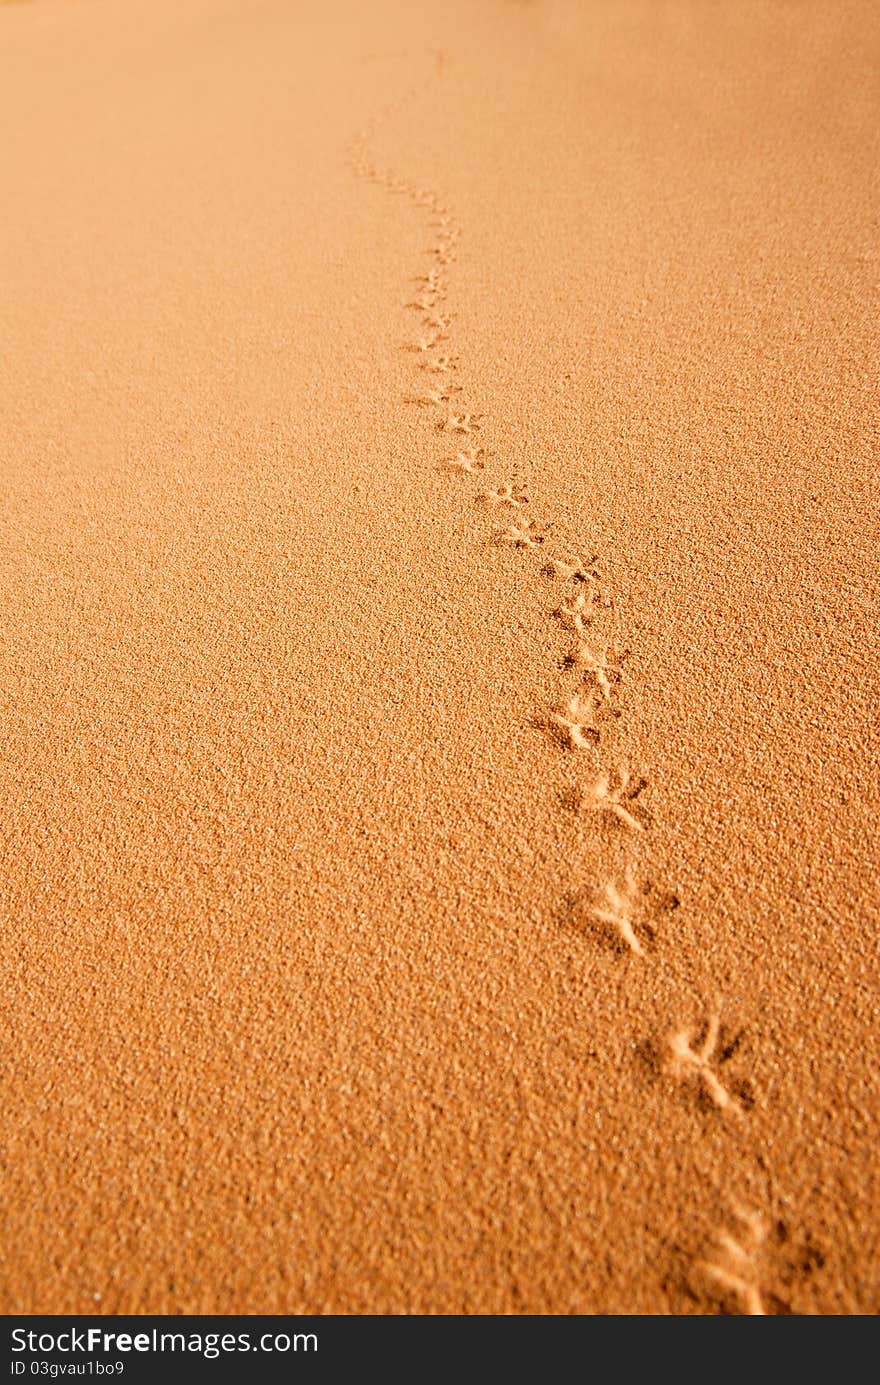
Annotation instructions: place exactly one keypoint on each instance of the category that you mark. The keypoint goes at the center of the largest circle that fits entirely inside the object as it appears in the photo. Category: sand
(343, 969)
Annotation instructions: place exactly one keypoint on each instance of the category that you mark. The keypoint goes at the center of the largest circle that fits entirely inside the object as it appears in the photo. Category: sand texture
(438, 447)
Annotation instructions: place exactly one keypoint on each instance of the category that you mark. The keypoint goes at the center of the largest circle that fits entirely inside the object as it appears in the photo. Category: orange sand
(308, 998)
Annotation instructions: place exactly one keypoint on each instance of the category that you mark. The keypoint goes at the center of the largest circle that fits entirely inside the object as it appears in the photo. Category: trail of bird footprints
(623, 909)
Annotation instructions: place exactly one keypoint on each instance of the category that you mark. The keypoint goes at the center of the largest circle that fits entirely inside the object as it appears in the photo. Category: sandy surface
(314, 995)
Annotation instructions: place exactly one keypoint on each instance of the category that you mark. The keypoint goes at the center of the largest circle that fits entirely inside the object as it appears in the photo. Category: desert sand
(439, 825)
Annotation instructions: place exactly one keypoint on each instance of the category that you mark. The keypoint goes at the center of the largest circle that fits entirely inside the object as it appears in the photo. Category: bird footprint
(578, 570)
(439, 365)
(521, 535)
(691, 1058)
(603, 665)
(504, 495)
(461, 423)
(619, 909)
(619, 799)
(575, 723)
(578, 614)
(432, 397)
(734, 1264)
(425, 303)
(469, 461)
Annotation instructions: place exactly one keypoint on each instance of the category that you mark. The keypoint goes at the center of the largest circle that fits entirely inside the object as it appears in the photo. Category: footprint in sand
(461, 423)
(433, 281)
(440, 322)
(579, 613)
(577, 570)
(442, 249)
(425, 344)
(617, 798)
(762, 1267)
(575, 723)
(619, 910)
(439, 365)
(504, 495)
(521, 535)
(602, 665)
(468, 462)
(629, 910)
(734, 1266)
(425, 303)
(442, 255)
(692, 1055)
(435, 398)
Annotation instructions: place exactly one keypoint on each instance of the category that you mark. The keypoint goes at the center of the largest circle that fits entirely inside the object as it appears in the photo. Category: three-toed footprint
(437, 398)
(468, 462)
(508, 494)
(615, 796)
(520, 535)
(575, 724)
(461, 423)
